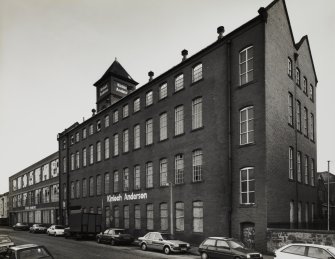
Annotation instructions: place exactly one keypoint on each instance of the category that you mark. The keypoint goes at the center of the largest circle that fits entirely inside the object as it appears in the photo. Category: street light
(328, 201)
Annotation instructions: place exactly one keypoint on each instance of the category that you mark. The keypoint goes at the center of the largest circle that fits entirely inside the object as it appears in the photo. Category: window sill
(149, 188)
(197, 182)
(179, 135)
(164, 186)
(134, 112)
(125, 152)
(179, 184)
(149, 145)
(247, 84)
(198, 81)
(251, 205)
(159, 100)
(180, 90)
(291, 180)
(115, 155)
(246, 145)
(163, 140)
(196, 129)
(135, 149)
(291, 125)
(149, 105)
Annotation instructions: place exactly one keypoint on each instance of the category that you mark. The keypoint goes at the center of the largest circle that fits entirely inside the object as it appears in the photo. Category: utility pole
(328, 203)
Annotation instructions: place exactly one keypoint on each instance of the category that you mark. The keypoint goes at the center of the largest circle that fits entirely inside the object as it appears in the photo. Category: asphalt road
(62, 248)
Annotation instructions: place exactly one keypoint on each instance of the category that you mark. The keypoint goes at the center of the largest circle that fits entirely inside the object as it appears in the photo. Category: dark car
(37, 228)
(20, 226)
(115, 236)
(30, 251)
(228, 248)
(5, 243)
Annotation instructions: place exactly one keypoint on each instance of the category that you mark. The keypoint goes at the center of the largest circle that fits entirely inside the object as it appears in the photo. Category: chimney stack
(93, 112)
(220, 31)
(184, 53)
(151, 75)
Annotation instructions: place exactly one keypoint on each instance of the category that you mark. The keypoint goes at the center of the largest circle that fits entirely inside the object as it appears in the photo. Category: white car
(305, 251)
(56, 230)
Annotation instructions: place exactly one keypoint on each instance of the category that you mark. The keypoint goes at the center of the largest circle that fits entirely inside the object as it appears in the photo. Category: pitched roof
(118, 71)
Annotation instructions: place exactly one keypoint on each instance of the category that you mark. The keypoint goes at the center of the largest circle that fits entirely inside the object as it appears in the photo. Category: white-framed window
(297, 76)
(298, 116)
(107, 217)
(290, 163)
(98, 125)
(289, 67)
(179, 83)
(77, 189)
(197, 165)
(77, 160)
(126, 216)
(148, 98)
(163, 213)
(312, 172)
(84, 133)
(72, 140)
(91, 154)
(84, 156)
(197, 113)
(150, 216)
(137, 177)
(179, 120)
(116, 144)
(126, 179)
(106, 148)
(162, 91)
(247, 125)
(84, 187)
(246, 61)
(180, 216)
(115, 116)
(291, 212)
(163, 126)
(179, 169)
(198, 216)
(125, 140)
(247, 187)
(311, 93)
(311, 127)
(137, 213)
(90, 129)
(290, 109)
(106, 183)
(91, 186)
(149, 181)
(305, 121)
(197, 73)
(137, 103)
(163, 170)
(106, 121)
(304, 84)
(77, 137)
(148, 132)
(137, 135)
(125, 111)
(299, 166)
(72, 164)
(98, 151)
(306, 169)
(99, 184)
(116, 217)
(116, 181)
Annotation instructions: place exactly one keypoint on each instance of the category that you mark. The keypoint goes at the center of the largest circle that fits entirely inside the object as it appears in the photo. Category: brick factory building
(222, 144)
(34, 193)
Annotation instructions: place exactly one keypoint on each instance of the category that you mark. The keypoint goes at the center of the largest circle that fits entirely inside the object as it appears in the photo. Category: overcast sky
(51, 53)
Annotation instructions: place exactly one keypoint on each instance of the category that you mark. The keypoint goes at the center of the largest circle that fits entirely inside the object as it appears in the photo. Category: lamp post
(170, 184)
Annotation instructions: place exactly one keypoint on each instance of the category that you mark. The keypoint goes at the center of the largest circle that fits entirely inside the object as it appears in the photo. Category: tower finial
(115, 58)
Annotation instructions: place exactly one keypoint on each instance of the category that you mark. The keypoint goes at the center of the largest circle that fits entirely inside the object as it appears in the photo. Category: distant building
(34, 193)
(323, 199)
(221, 144)
(4, 209)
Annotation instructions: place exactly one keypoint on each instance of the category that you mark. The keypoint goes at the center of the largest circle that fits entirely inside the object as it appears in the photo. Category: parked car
(30, 251)
(5, 243)
(20, 226)
(223, 247)
(115, 236)
(305, 251)
(37, 228)
(56, 230)
(162, 241)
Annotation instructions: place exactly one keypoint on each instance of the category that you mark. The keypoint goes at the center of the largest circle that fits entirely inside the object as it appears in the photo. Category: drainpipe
(296, 139)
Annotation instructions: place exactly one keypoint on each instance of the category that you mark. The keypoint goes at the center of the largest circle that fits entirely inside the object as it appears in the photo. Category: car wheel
(55, 234)
(166, 250)
(112, 242)
(204, 256)
(144, 247)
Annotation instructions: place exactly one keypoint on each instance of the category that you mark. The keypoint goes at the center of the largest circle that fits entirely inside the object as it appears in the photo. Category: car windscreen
(167, 237)
(4, 239)
(59, 227)
(33, 253)
(235, 244)
(331, 250)
(119, 231)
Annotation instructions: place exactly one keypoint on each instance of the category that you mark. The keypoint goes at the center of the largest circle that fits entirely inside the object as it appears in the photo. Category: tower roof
(118, 71)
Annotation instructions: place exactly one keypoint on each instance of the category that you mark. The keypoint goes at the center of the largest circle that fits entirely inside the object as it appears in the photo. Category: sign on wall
(127, 197)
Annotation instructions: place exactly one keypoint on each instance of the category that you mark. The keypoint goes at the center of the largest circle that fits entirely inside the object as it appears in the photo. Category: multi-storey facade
(4, 205)
(34, 193)
(222, 144)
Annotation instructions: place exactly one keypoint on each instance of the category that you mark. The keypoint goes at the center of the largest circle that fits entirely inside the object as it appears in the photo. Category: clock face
(104, 89)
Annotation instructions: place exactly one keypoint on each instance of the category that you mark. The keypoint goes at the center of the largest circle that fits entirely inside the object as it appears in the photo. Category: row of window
(121, 181)
(179, 85)
(304, 120)
(308, 92)
(121, 216)
(308, 212)
(43, 173)
(179, 129)
(37, 216)
(39, 196)
(305, 168)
